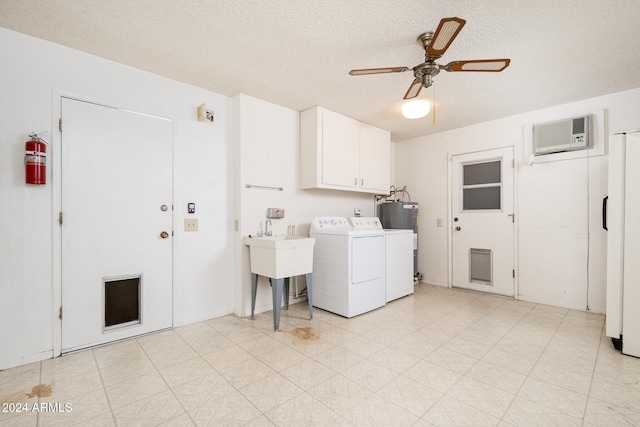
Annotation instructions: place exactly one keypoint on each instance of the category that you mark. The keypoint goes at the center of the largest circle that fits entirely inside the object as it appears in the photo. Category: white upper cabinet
(340, 149)
(340, 153)
(375, 159)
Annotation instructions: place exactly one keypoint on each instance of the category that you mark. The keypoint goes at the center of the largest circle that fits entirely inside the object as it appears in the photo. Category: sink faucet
(267, 231)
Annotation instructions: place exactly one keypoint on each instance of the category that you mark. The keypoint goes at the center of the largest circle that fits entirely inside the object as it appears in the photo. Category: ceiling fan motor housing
(428, 68)
(425, 72)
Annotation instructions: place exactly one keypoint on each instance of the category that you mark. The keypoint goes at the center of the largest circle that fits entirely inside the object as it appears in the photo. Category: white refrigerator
(621, 211)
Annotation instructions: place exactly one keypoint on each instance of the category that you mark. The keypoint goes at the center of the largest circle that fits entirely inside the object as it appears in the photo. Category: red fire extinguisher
(35, 159)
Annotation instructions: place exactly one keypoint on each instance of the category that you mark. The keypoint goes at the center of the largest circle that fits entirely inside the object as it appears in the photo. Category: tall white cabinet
(340, 153)
(623, 246)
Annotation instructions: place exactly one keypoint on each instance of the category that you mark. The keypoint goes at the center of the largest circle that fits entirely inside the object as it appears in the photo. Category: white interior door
(483, 221)
(117, 177)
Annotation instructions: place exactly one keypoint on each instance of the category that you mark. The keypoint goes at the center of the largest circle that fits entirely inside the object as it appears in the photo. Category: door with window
(483, 221)
(116, 231)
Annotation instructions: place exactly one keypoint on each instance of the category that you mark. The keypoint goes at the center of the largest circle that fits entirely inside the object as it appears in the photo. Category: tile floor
(438, 357)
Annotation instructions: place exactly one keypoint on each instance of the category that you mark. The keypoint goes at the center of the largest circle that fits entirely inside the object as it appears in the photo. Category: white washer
(348, 265)
(399, 260)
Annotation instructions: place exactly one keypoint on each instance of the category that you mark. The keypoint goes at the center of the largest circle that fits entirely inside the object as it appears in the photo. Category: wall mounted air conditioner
(562, 135)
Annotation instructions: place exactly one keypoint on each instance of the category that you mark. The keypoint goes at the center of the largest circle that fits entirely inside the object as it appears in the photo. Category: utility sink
(280, 256)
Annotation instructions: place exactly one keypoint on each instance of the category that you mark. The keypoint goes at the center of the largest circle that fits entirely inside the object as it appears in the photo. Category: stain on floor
(41, 390)
(306, 333)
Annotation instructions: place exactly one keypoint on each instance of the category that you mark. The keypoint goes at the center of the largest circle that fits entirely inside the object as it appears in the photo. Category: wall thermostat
(191, 208)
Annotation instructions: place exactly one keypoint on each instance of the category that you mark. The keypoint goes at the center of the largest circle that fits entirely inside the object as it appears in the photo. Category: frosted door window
(482, 186)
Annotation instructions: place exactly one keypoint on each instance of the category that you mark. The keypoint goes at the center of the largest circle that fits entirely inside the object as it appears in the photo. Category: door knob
(458, 228)
(164, 234)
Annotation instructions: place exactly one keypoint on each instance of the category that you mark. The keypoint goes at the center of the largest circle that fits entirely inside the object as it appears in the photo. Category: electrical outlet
(191, 224)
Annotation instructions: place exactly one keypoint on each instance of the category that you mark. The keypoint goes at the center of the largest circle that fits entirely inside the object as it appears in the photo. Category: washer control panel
(325, 223)
(365, 223)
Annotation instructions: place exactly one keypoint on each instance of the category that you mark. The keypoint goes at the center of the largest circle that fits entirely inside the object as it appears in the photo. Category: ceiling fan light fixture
(416, 108)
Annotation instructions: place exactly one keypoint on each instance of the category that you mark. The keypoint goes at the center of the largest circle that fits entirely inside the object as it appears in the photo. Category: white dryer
(348, 265)
(399, 244)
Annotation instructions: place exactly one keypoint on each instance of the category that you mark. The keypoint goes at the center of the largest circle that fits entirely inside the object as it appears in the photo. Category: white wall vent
(562, 135)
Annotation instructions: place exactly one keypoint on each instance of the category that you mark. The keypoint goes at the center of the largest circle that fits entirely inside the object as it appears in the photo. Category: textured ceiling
(296, 53)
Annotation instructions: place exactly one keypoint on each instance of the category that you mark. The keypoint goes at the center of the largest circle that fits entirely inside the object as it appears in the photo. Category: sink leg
(276, 292)
(285, 294)
(309, 294)
(254, 291)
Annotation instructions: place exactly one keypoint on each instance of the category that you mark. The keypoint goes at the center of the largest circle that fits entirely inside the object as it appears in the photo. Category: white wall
(33, 74)
(251, 142)
(267, 138)
(255, 142)
(558, 203)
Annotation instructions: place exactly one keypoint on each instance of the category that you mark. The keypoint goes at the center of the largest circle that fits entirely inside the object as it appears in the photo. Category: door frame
(55, 162)
(516, 163)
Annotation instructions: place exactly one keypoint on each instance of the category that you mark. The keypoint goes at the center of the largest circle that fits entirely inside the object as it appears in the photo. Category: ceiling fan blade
(447, 30)
(488, 65)
(414, 89)
(378, 71)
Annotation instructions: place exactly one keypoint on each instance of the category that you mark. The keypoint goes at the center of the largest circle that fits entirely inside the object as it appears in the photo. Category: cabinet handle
(361, 182)
(355, 181)
(605, 199)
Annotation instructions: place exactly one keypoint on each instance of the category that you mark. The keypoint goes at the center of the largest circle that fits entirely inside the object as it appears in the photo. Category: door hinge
(60, 124)
(514, 273)
(60, 218)
(60, 313)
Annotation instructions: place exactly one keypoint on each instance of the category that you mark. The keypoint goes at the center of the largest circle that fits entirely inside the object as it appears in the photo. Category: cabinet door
(340, 141)
(375, 159)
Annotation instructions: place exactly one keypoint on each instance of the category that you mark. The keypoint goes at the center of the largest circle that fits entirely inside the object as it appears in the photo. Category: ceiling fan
(435, 45)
